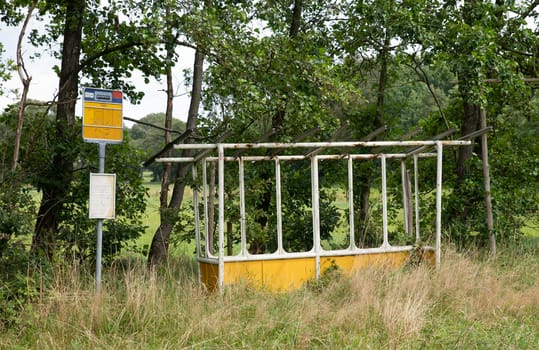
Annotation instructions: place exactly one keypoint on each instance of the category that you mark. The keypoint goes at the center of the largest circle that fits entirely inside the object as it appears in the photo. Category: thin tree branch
(525, 80)
(152, 125)
(425, 78)
(168, 146)
(108, 50)
(125, 46)
(25, 79)
(529, 10)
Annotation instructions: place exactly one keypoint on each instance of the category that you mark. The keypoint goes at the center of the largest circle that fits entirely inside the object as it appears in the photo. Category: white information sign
(102, 196)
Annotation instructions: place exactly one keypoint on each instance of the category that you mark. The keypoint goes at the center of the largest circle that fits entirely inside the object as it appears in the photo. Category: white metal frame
(317, 251)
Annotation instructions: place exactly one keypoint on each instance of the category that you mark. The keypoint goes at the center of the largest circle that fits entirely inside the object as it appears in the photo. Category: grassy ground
(531, 228)
(470, 303)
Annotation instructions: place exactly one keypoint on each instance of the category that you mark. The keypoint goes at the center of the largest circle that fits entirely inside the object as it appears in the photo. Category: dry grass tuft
(376, 308)
(405, 305)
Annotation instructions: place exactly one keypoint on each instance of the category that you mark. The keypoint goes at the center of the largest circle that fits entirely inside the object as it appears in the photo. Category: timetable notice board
(102, 119)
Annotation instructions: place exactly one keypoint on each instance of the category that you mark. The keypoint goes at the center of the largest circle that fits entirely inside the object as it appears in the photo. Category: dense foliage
(328, 70)
(76, 236)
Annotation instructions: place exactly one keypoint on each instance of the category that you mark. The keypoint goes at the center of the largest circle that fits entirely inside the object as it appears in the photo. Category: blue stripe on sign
(100, 95)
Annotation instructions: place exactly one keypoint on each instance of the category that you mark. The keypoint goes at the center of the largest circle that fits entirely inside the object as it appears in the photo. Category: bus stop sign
(102, 117)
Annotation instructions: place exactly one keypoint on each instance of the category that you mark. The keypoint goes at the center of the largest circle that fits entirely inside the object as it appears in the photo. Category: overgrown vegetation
(272, 71)
(21, 190)
(469, 303)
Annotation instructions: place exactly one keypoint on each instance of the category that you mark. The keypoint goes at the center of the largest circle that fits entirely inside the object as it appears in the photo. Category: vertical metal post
(205, 196)
(243, 228)
(438, 246)
(351, 202)
(486, 185)
(416, 197)
(221, 195)
(278, 204)
(316, 213)
(405, 197)
(99, 244)
(385, 242)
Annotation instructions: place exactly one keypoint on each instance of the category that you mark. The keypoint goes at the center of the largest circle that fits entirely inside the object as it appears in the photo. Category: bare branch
(525, 80)
(152, 125)
(425, 78)
(168, 147)
(25, 79)
(529, 10)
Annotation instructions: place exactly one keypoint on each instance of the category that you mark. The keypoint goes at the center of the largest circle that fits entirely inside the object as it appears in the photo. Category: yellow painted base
(292, 273)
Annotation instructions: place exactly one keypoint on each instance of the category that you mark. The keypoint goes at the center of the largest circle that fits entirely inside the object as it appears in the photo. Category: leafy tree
(286, 85)
(372, 39)
(76, 232)
(279, 68)
(199, 22)
(104, 52)
(5, 68)
(480, 41)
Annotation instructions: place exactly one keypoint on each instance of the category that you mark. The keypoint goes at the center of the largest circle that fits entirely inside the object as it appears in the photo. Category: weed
(470, 302)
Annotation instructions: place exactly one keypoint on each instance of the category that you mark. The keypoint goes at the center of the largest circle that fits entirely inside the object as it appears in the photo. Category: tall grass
(469, 303)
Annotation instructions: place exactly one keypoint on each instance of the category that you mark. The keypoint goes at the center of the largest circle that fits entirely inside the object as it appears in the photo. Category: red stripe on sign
(117, 94)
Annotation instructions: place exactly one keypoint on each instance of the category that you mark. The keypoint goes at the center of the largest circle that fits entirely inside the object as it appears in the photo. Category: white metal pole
(99, 243)
(296, 157)
(205, 196)
(243, 228)
(340, 144)
(221, 215)
(405, 196)
(416, 197)
(278, 203)
(351, 202)
(316, 213)
(439, 149)
(385, 242)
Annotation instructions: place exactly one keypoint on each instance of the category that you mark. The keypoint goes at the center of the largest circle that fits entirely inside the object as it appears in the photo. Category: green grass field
(531, 228)
(469, 303)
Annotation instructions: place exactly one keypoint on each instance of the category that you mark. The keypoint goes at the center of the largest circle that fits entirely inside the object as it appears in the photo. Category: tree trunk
(382, 82)
(167, 167)
(56, 188)
(296, 19)
(469, 123)
(365, 188)
(363, 218)
(25, 80)
(470, 118)
(160, 242)
(229, 240)
(486, 184)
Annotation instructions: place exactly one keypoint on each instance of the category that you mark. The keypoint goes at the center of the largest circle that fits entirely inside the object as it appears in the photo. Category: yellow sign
(102, 119)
